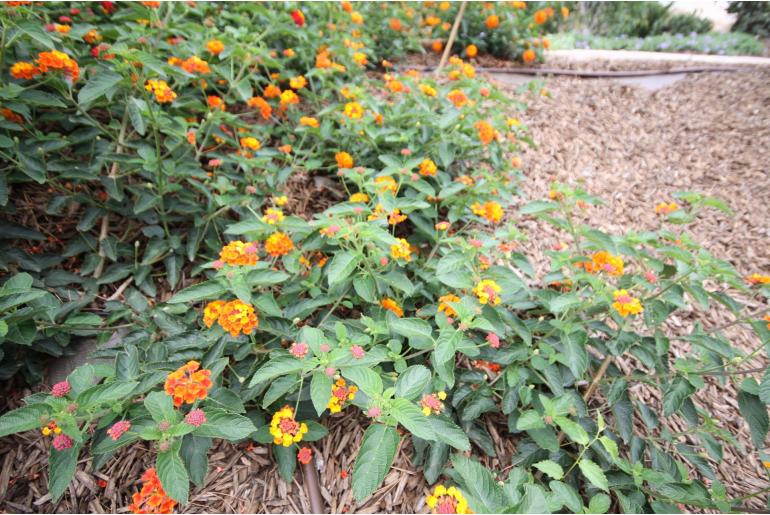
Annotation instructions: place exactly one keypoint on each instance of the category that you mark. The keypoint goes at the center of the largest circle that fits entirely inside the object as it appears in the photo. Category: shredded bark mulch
(707, 133)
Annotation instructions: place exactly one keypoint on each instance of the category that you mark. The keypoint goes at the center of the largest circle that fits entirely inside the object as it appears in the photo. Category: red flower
(304, 455)
(118, 428)
(196, 417)
(298, 18)
(62, 442)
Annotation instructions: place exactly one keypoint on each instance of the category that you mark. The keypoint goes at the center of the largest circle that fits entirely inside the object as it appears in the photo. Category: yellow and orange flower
(528, 56)
(238, 253)
(457, 97)
(278, 244)
(603, 261)
(401, 250)
(273, 216)
(215, 47)
(251, 143)
(445, 304)
(392, 306)
(486, 132)
(55, 60)
(664, 209)
(272, 91)
(215, 102)
(428, 90)
(625, 304)
(386, 183)
(235, 316)
(341, 392)
(188, 384)
(151, 498)
(758, 279)
(492, 21)
(288, 97)
(353, 110)
(395, 217)
(298, 82)
(284, 429)
(344, 160)
(487, 291)
(447, 500)
(359, 197)
(265, 110)
(428, 168)
(24, 70)
(541, 17)
(490, 210)
(195, 64)
(161, 90)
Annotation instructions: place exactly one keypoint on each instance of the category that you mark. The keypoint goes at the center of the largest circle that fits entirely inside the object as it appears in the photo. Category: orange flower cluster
(401, 250)
(353, 110)
(46, 61)
(238, 253)
(278, 244)
(265, 110)
(344, 160)
(457, 97)
(603, 261)
(625, 304)
(664, 209)
(151, 498)
(163, 93)
(235, 316)
(215, 47)
(188, 384)
(491, 211)
(392, 306)
(486, 132)
(194, 64)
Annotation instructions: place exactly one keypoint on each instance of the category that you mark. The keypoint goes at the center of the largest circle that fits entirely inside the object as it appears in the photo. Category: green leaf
(266, 277)
(567, 496)
(574, 430)
(418, 331)
(530, 419)
(172, 473)
(409, 415)
(367, 380)
(200, 291)
(366, 288)
(599, 503)
(537, 207)
(222, 424)
(534, 500)
(23, 419)
(320, 391)
(315, 431)
(551, 468)
(286, 460)
(135, 108)
(341, 267)
(764, 387)
(104, 81)
(575, 353)
(594, 474)
(61, 470)
(161, 407)
(449, 433)
(374, 459)
(194, 452)
(105, 394)
(755, 413)
(484, 496)
(412, 382)
(279, 366)
(679, 390)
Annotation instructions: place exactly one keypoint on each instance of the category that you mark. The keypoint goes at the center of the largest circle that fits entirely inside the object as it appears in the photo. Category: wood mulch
(707, 133)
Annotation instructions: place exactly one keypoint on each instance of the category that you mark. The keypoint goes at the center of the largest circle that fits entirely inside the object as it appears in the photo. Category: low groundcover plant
(404, 297)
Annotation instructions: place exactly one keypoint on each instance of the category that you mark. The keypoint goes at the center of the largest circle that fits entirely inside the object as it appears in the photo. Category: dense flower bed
(171, 130)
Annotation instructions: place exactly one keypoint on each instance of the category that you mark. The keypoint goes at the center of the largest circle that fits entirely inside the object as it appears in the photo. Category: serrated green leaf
(378, 449)
(594, 474)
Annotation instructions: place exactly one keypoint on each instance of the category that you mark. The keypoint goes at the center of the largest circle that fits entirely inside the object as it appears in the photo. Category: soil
(632, 147)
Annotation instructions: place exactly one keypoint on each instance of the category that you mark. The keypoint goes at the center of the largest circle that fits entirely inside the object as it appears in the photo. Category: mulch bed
(707, 133)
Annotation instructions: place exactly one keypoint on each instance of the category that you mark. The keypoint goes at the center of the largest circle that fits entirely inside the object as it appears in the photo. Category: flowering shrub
(405, 299)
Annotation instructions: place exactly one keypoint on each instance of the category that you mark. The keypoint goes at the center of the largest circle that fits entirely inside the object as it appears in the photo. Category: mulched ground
(708, 133)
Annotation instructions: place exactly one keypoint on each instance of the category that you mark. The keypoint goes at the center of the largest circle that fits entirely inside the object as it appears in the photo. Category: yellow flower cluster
(428, 168)
(160, 89)
(447, 500)
(273, 216)
(284, 429)
(401, 250)
(487, 292)
(625, 304)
